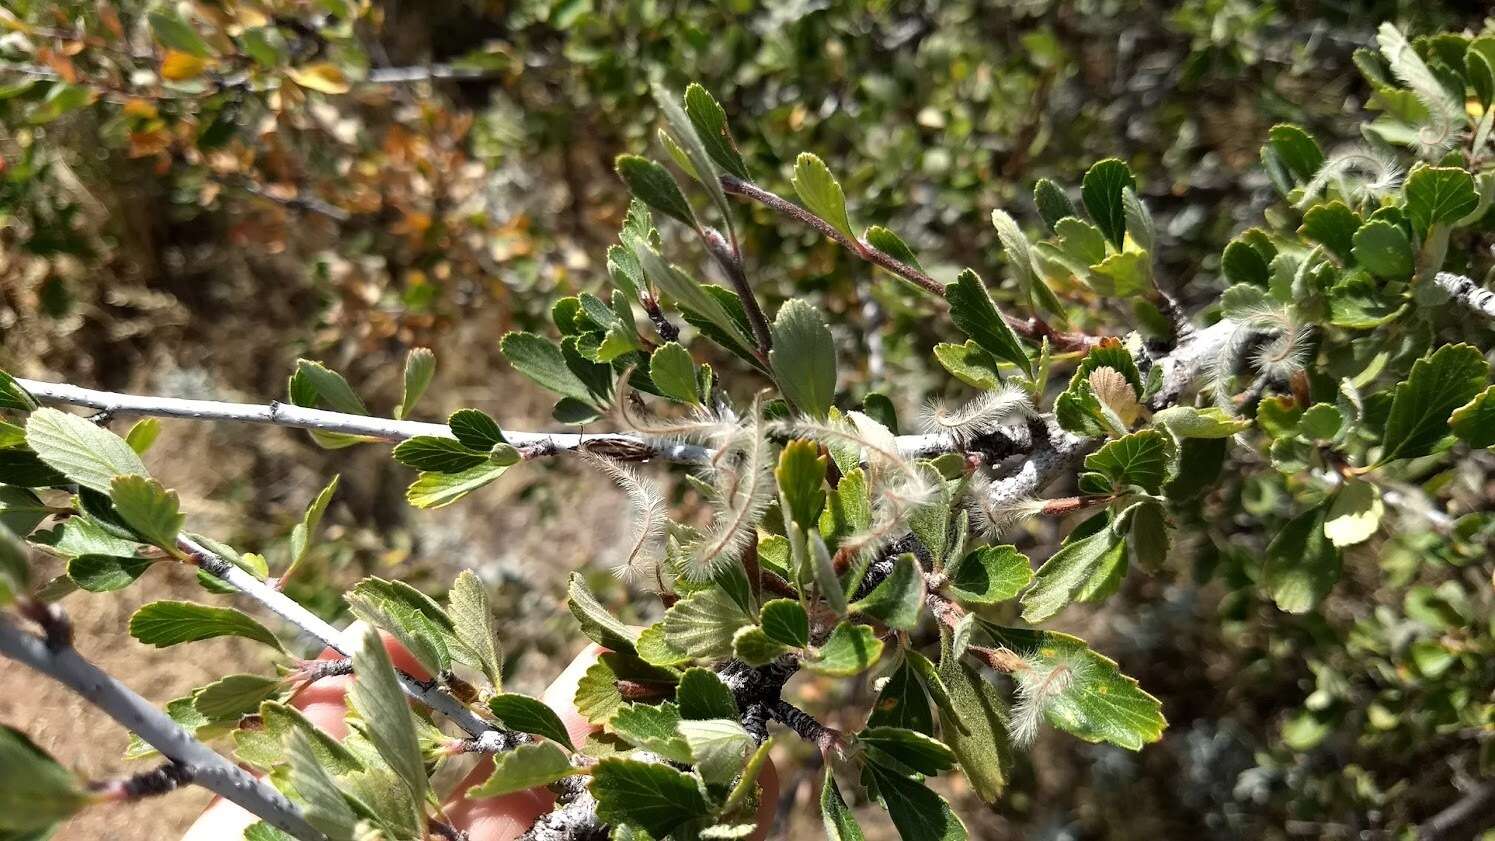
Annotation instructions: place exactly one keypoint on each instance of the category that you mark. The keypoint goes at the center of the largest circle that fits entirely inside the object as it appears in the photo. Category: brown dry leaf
(1112, 389)
(178, 66)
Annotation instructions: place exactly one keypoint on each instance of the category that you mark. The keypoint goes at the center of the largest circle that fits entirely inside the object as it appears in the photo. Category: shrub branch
(197, 762)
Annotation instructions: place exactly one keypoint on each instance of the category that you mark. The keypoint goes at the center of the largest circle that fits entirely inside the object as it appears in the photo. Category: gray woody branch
(488, 736)
(204, 766)
(1466, 292)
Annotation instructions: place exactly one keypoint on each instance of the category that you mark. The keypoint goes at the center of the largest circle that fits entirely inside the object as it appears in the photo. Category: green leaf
(695, 150)
(652, 727)
(167, 623)
(524, 767)
(710, 123)
(1121, 275)
(377, 698)
(754, 647)
(655, 798)
(149, 509)
(973, 722)
(21, 510)
(1243, 263)
(892, 245)
(1420, 407)
(321, 798)
(840, 823)
(918, 813)
(105, 573)
(234, 696)
(420, 367)
(850, 650)
(1354, 514)
(823, 570)
(969, 364)
(438, 454)
(785, 621)
(13, 396)
(408, 615)
(1333, 226)
(718, 747)
(1065, 572)
(474, 626)
(1101, 193)
(597, 696)
(435, 490)
(302, 532)
(1139, 221)
(704, 622)
(600, 626)
(1302, 565)
(1438, 196)
(652, 184)
(528, 715)
(265, 748)
(919, 751)
(898, 599)
(991, 574)
(902, 702)
(1139, 459)
(801, 479)
(972, 310)
(1475, 421)
(1384, 250)
(1296, 150)
(543, 362)
(701, 694)
(171, 31)
(1210, 422)
(804, 358)
(15, 572)
(1101, 703)
(1148, 535)
(673, 372)
(35, 790)
(79, 450)
(329, 385)
(1019, 255)
(261, 831)
(1051, 202)
(143, 434)
(821, 193)
(692, 297)
(476, 430)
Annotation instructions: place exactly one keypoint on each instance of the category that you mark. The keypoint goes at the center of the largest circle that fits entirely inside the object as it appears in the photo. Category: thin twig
(613, 445)
(1032, 328)
(283, 606)
(208, 769)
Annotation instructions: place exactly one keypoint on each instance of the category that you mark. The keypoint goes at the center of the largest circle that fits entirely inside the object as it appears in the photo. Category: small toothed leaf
(529, 715)
(653, 185)
(166, 623)
(420, 367)
(85, 453)
(524, 767)
(820, 192)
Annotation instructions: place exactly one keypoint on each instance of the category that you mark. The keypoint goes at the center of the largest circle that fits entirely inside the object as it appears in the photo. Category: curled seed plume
(1039, 685)
(990, 412)
(1445, 112)
(1359, 173)
(648, 507)
(743, 475)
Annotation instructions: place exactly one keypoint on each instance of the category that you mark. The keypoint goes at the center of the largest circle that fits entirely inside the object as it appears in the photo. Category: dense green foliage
(1271, 385)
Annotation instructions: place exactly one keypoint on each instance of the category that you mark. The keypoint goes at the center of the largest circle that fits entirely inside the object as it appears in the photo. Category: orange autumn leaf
(178, 66)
